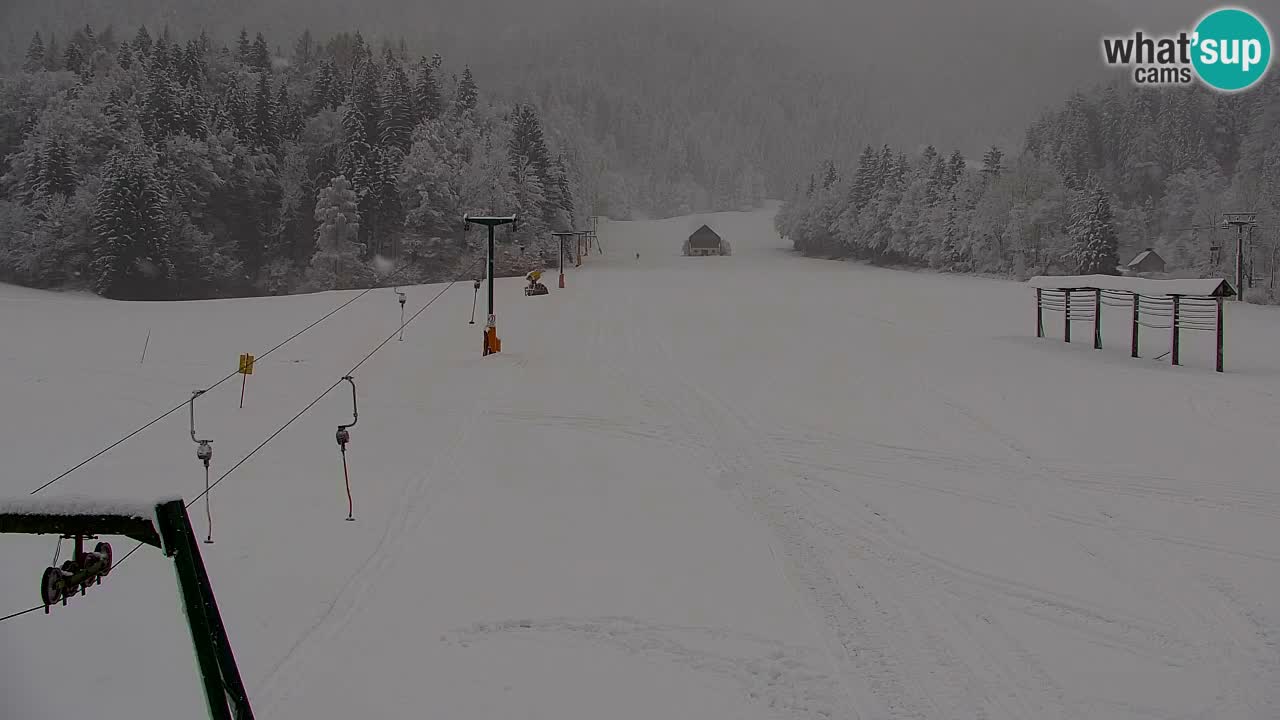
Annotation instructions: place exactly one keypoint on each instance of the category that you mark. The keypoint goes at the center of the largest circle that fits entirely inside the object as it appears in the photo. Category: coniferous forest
(1108, 174)
(146, 167)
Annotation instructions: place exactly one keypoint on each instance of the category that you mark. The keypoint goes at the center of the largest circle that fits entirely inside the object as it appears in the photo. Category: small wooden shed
(1147, 261)
(704, 241)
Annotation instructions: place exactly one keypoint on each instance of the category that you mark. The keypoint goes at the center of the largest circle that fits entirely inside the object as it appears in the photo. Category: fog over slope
(949, 73)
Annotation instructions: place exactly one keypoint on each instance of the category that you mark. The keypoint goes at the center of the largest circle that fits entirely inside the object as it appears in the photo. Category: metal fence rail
(1172, 312)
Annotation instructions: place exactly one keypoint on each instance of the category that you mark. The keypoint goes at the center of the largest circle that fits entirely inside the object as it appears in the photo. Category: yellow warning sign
(246, 364)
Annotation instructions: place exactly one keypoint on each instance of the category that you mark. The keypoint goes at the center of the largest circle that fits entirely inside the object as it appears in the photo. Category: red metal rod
(347, 478)
(208, 512)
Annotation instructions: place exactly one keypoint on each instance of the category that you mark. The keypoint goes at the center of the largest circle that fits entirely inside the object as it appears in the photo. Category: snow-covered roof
(1190, 287)
(704, 237)
(1143, 256)
(79, 505)
(83, 515)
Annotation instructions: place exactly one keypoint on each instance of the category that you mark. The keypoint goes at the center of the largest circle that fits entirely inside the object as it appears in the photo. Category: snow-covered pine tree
(951, 253)
(304, 50)
(955, 169)
(829, 174)
(426, 92)
(326, 91)
(941, 175)
(244, 48)
(161, 57)
(191, 65)
(56, 174)
(530, 197)
(52, 54)
(1092, 233)
(130, 259)
(266, 135)
(380, 206)
(356, 146)
(87, 39)
(564, 186)
(142, 41)
(467, 95)
(366, 98)
(928, 157)
(992, 163)
(527, 140)
(396, 129)
(74, 59)
(289, 119)
(161, 105)
(124, 56)
(260, 55)
(1113, 129)
(196, 114)
(238, 111)
(35, 55)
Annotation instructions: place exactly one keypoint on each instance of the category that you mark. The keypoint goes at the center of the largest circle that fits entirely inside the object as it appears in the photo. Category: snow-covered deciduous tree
(336, 262)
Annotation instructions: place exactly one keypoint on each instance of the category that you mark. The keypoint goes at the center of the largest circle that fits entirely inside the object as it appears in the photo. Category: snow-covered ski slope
(747, 487)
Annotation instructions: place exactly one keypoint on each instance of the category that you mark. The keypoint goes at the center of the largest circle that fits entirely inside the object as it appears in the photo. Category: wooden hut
(704, 241)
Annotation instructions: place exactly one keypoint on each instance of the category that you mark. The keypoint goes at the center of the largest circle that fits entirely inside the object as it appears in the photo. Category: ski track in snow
(790, 681)
(947, 525)
(413, 506)
(862, 621)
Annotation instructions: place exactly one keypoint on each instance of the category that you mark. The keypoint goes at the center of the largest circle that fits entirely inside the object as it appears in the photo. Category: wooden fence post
(1097, 319)
(1039, 315)
(1219, 334)
(1136, 315)
(1066, 314)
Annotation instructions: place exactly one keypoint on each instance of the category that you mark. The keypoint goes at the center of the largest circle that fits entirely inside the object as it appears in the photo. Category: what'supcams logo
(1229, 50)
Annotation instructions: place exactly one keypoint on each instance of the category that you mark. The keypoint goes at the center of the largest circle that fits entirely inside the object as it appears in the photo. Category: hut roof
(704, 237)
(1145, 255)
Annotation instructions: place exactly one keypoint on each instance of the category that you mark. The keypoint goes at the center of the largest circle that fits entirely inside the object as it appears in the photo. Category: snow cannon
(535, 286)
(78, 573)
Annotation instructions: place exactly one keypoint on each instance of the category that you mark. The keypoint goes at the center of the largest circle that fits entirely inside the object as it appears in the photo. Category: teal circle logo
(1231, 50)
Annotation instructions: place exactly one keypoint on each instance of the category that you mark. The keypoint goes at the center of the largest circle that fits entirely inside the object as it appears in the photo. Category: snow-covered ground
(748, 487)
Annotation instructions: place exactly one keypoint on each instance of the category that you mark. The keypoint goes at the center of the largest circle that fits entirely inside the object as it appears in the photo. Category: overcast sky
(982, 66)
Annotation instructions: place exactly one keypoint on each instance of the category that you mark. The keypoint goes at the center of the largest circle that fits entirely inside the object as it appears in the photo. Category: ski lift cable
(282, 428)
(20, 613)
(176, 408)
(328, 390)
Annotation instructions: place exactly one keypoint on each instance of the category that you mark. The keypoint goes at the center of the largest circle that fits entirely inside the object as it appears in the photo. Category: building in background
(1147, 262)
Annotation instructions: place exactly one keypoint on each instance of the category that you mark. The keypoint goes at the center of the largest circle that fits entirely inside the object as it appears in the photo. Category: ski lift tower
(491, 342)
(1240, 221)
(562, 236)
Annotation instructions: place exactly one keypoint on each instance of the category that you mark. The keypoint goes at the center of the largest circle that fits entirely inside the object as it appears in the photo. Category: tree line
(154, 168)
(1111, 172)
